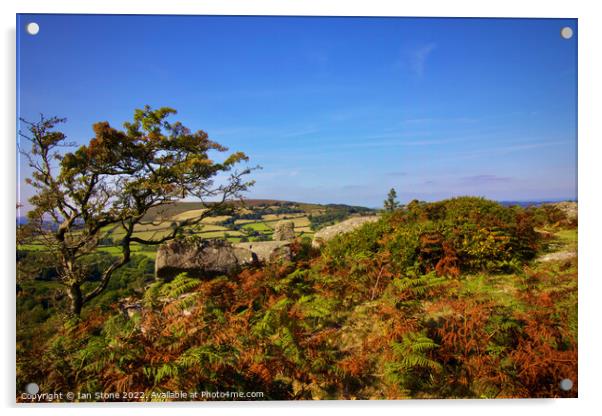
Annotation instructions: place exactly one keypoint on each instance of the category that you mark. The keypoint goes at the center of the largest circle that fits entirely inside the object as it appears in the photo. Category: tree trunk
(77, 300)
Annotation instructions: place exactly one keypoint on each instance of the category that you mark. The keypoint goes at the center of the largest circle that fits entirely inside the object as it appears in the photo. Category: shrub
(459, 235)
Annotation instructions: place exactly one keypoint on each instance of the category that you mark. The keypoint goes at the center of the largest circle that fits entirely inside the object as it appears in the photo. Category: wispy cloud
(486, 179)
(301, 132)
(432, 120)
(329, 148)
(264, 131)
(369, 142)
(502, 150)
(317, 56)
(419, 57)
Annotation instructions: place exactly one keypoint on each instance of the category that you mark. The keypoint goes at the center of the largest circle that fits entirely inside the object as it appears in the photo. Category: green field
(253, 222)
(259, 226)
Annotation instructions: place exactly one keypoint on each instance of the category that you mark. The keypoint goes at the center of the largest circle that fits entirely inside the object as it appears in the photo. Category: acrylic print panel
(294, 208)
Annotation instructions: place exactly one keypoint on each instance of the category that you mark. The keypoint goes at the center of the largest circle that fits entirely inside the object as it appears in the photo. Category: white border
(590, 68)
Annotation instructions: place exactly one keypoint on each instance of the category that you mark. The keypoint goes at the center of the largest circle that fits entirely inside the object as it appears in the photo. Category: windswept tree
(391, 203)
(108, 187)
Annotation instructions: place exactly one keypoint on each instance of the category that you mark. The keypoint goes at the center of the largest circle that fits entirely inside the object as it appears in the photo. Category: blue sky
(335, 110)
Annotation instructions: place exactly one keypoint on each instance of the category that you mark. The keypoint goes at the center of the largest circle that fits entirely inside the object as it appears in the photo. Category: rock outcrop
(328, 233)
(284, 231)
(268, 251)
(558, 256)
(201, 258)
(569, 208)
(209, 258)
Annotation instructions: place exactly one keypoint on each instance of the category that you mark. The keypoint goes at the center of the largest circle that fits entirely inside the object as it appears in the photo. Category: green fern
(178, 286)
(159, 291)
(272, 319)
(419, 286)
(315, 306)
(168, 370)
(411, 355)
(151, 295)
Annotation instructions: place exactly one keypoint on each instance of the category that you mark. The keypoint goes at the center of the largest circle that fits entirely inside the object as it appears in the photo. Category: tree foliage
(391, 203)
(112, 182)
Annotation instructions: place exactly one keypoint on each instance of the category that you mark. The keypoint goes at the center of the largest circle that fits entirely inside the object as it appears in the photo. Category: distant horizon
(553, 200)
(333, 109)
